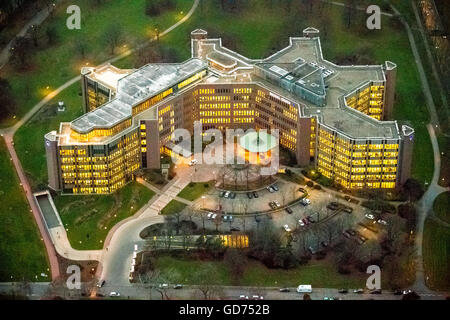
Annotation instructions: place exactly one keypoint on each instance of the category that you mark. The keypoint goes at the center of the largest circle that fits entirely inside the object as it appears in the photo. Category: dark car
(343, 290)
(398, 292)
(249, 195)
(375, 291)
(351, 232)
(311, 219)
(178, 286)
(221, 194)
(255, 194)
(288, 210)
(235, 229)
(347, 209)
(101, 283)
(332, 207)
(347, 234)
(275, 187)
(305, 221)
(232, 195)
(285, 290)
(324, 244)
(302, 190)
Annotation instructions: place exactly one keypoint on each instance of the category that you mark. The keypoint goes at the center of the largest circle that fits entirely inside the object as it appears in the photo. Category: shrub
(310, 184)
(317, 187)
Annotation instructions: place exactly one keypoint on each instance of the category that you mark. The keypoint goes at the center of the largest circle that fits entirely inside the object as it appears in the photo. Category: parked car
(227, 194)
(369, 216)
(332, 207)
(210, 214)
(272, 205)
(376, 291)
(101, 283)
(358, 291)
(346, 234)
(227, 218)
(275, 187)
(343, 290)
(351, 232)
(277, 204)
(232, 195)
(255, 194)
(221, 194)
(114, 294)
(347, 209)
(398, 292)
(305, 221)
(214, 216)
(286, 228)
(324, 244)
(243, 297)
(178, 286)
(305, 201)
(256, 297)
(163, 286)
(311, 219)
(285, 290)
(381, 221)
(235, 229)
(301, 223)
(193, 162)
(288, 210)
(302, 190)
(249, 195)
(311, 250)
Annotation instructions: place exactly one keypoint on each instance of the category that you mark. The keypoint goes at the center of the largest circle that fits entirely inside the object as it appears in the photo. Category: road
(35, 21)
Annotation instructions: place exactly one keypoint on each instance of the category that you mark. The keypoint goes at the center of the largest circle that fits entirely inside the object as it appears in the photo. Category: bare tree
(113, 37)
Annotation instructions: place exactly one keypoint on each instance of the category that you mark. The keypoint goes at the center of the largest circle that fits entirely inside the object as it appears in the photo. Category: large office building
(336, 118)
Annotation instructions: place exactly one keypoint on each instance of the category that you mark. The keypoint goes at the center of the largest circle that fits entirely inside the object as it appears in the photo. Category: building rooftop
(134, 88)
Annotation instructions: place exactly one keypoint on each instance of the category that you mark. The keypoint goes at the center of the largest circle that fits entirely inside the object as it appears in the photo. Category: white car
(193, 162)
(163, 286)
(305, 201)
(271, 190)
(227, 194)
(209, 216)
(277, 203)
(243, 297)
(114, 294)
(369, 216)
(301, 223)
(286, 228)
(381, 221)
(214, 216)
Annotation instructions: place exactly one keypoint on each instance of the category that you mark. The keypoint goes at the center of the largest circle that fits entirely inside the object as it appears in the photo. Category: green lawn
(436, 255)
(320, 274)
(172, 207)
(54, 65)
(22, 252)
(89, 218)
(441, 206)
(194, 190)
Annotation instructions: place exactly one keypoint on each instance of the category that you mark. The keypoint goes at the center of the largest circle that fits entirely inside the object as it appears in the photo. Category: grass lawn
(172, 207)
(89, 218)
(320, 274)
(51, 66)
(441, 206)
(436, 255)
(22, 252)
(194, 190)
